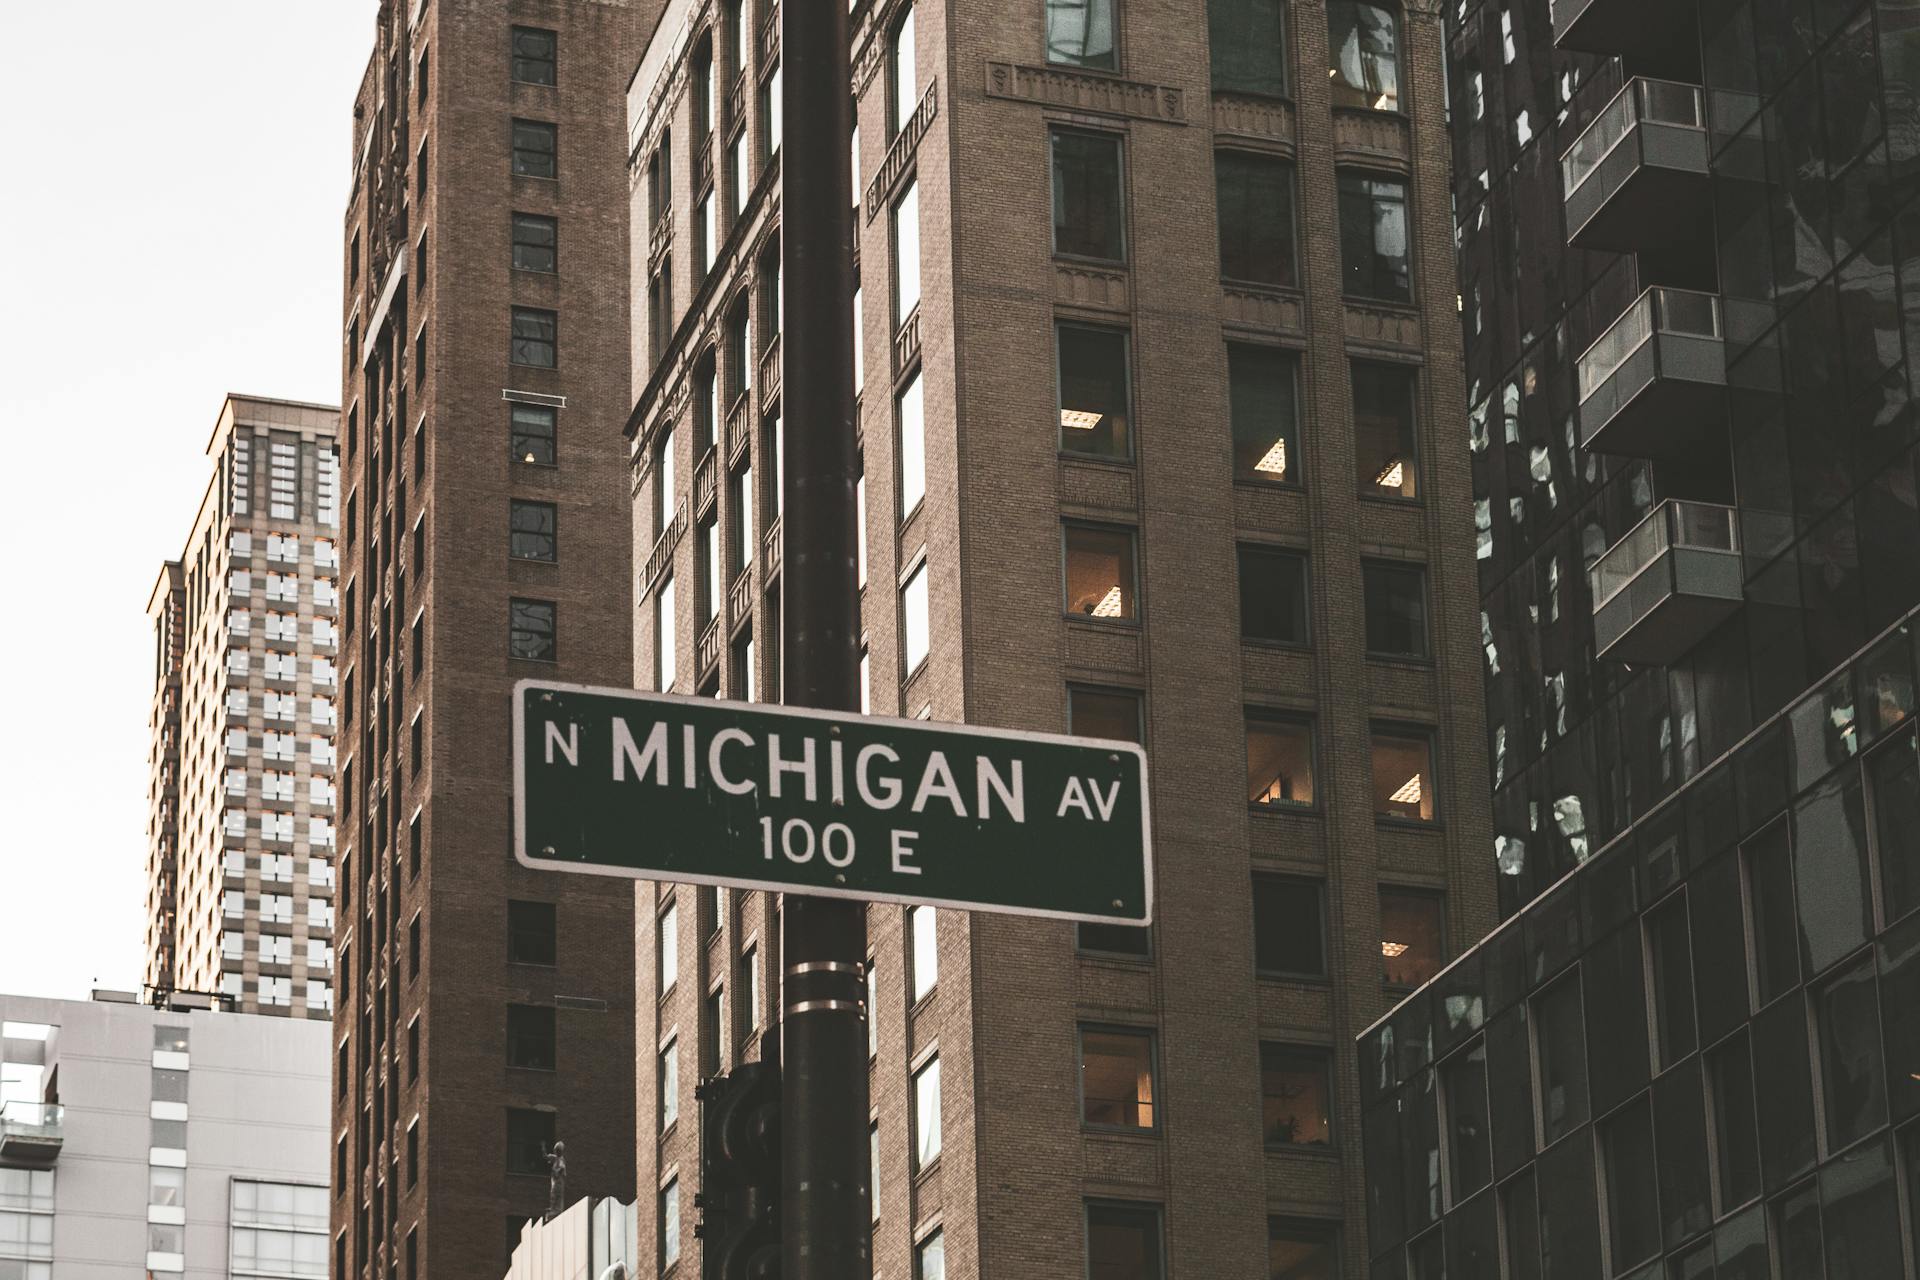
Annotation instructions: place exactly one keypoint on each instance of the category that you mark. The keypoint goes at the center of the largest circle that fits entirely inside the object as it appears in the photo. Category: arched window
(703, 89)
(1363, 54)
(739, 347)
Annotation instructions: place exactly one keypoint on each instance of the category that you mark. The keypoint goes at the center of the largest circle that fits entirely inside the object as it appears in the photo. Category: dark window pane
(1296, 1103)
(1671, 953)
(535, 149)
(1633, 1215)
(1886, 686)
(1427, 1257)
(1469, 1157)
(1510, 1090)
(532, 430)
(1561, 1066)
(536, 243)
(1776, 947)
(530, 1037)
(1900, 997)
(1100, 577)
(1104, 713)
(1264, 404)
(1373, 238)
(1116, 1078)
(1719, 948)
(1473, 1239)
(1861, 1207)
(1298, 1250)
(1118, 939)
(1247, 39)
(1521, 1228)
(1080, 33)
(1569, 1213)
(1736, 1140)
(1123, 1242)
(1403, 775)
(531, 635)
(1697, 1265)
(533, 55)
(1895, 774)
(1396, 602)
(1363, 55)
(1288, 919)
(1385, 449)
(1380, 1139)
(1412, 942)
(534, 536)
(1796, 1222)
(1680, 1123)
(1848, 1009)
(535, 338)
(1420, 1151)
(1830, 872)
(1614, 985)
(1910, 1152)
(1740, 1247)
(1273, 595)
(1254, 198)
(1279, 763)
(529, 1138)
(1094, 397)
(1088, 209)
(1783, 1085)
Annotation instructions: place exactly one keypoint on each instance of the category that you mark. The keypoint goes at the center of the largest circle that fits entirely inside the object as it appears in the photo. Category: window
(667, 947)
(1373, 238)
(902, 75)
(906, 254)
(701, 90)
(706, 235)
(536, 243)
(533, 531)
(169, 1135)
(1093, 387)
(529, 1137)
(1289, 926)
(930, 1257)
(1104, 713)
(707, 564)
(1248, 43)
(536, 146)
(1560, 1060)
(1296, 1096)
(1080, 33)
(1254, 201)
(749, 988)
(1116, 1078)
(1412, 940)
(1632, 1211)
(926, 1114)
(1088, 217)
(1264, 405)
(1396, 604)
(1773, 924)
(668, 1084)
(911, 409)
(923, 929)
(531, 632)
(1273, 595)
(1279, 763)
(1363, 55)
(1123, 1242)
(1852, 1070)
(530, 1037)
(1469, 1153)
(533, 55)
(531, 428)
(1669, 952)
(741, 532)
(1299, 1250)
(1100, 580)
(1735, 1135)
(915, 620)
(1383, 431)
(665, 636)
(535, 338)
(1894, 774)
(670, 1223)
(1403, 785)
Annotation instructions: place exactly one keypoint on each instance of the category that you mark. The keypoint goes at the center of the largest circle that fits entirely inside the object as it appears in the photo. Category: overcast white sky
(170, 219)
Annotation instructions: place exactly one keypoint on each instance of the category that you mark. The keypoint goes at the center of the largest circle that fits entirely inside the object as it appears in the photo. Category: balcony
(706, 483)
(1663, 588)
(1638, 176)
(770, 547)
(31, 1132)
(770, 374)
(1655, 384)
(1639, 28)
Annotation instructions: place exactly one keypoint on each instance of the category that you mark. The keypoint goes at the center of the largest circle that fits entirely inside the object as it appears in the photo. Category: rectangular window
(529, 1138)
(1560, 1060)
(533, 55)
(1894, 777)
(1632, 1209)
(1296, 1096)
(923, 931)
(1089, 218)
(536, 149)
(906, 254)
(1123, 1242)
(1383, 429)
(668, 1081)
(1080, 33)
(536, 340)
(1363, 54)
(666, 636)
(531, 428)
(1254, 201)
(1403, 786)
(930, 1257)
(1775, 930)
(1736, 1135)
(749, 988)
(531, 1037)
(534, 531)
(670, 1223)
(1396, 605)
(1116, 1078)
(911, 414)
(1304, 1250)
(1289, 926)
(1104, 713)
(903, 74)
(1412, 936)
(1273, 595)
(1463, 1081)
(667, 947)
(1100, 579)
(1247, 39)
(1373, 238)
(1669, 952)
(531, 631)
(1852, 1069)
(536, 243)
(915, 620)
(1094, 393)
(1264, 405)
(926, 1114)
(1279, 763)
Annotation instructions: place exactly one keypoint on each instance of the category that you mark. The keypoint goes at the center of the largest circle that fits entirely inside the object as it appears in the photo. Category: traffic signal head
(739, 1199)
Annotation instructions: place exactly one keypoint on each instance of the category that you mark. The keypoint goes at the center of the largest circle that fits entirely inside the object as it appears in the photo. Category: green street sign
(654, 786)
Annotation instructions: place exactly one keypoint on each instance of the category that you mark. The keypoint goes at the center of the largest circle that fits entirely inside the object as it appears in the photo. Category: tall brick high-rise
(485, 1012)
(241, 798)
(1160, 393)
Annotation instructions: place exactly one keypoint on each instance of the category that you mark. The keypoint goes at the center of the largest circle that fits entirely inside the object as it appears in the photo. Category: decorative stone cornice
(1079, 91)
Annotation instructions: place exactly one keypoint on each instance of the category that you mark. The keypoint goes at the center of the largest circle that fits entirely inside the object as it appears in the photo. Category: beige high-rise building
(1162, 416)
(241, 793)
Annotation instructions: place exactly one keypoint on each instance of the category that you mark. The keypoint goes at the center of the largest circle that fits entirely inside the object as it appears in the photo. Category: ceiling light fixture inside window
(1275, 460)
(1110, 605)
(1409, 792)
(1080, 419)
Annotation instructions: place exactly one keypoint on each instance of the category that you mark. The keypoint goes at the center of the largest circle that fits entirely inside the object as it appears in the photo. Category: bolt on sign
(659, 787)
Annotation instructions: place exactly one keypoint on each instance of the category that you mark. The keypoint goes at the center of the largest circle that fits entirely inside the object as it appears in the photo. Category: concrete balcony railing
(706, 483)
(770, 374)
(31, 1133)
(1655, 384)
(770, 546)
(1667, 585)
(739, 423)
(740, 597)
(1637, 177)
(706, 650)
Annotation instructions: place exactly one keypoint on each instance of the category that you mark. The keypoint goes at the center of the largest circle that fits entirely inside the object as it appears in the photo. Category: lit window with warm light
(1411, 927)
(1264, 406)
(1279, 762)
(1403, 774)
(1094, 399)
(1100, 573)
(1383, 429)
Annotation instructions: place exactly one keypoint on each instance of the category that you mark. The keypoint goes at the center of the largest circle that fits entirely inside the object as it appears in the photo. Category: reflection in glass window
(1894, 777)
(1469, 1158)
(1363, 55)
(1100, 580)
(1560, 1064)
(1831, 879)
(670, 1223)
(1094, 396)
(1411, 936)
(1264, 407)
(533, 531)
(915, 620)
(1851, 1069)
(923, 932)
(906, 254)
(1289, 926)
(930, 1257)
(1080, 33)
(1374, 244)
(926, 1114)
(531, 632)
(535, 338)
(1296, 1097)
(911, 415)
(1279, 763)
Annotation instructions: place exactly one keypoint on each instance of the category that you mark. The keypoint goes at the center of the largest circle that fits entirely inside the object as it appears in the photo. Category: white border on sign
(520, 854)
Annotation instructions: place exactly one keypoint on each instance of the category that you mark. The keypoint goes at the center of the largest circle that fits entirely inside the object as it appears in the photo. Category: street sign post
(660, 787)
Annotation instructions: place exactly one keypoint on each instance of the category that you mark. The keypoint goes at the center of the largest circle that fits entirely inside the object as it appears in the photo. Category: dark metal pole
(825, 1215)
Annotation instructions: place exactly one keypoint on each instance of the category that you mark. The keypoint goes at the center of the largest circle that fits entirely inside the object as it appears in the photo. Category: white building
(139, 1141)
